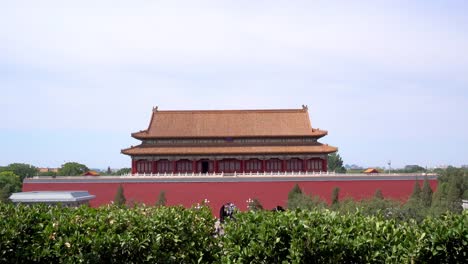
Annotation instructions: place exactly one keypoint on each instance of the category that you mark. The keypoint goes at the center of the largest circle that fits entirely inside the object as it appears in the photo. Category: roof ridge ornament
(305, 107)
(155, 108)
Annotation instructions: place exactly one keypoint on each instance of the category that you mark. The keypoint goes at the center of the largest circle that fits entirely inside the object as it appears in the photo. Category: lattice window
(164, 166)
(253, 165)
(184, 166)
(314, 165)
(274, 165)
(294, 165)
(144, 166)
(229, 166)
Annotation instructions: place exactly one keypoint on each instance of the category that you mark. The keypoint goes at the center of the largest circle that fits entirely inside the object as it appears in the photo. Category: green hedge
(177, 235)
(328, 237)
(106, 235)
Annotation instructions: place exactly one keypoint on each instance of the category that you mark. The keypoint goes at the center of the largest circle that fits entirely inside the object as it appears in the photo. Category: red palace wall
(270, 194)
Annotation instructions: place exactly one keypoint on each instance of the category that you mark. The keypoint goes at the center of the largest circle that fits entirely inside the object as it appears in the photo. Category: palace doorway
(205, 167)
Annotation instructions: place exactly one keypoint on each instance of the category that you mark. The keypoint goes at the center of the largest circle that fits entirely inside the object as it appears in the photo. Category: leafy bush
(49, 234)
(106, 235)
(9, 183)
(323, 236)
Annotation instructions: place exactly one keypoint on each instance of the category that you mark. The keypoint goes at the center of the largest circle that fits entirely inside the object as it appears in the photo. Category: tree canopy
(22, 170)
(378, 194)
(119, 198)
(298, 200)
(255, 205)
(72, 169)
(294, 191)
(426, 193)
(335, 196)
(9, 183)
(416, 195)
(454, 194)
(123, 171)
(161, 199)
(335, 163)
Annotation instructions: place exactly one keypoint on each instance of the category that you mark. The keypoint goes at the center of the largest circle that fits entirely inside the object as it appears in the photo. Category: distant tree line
(12, 176)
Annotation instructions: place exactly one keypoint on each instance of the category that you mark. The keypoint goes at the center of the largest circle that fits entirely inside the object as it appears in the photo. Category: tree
(161, 199)
(21, 169)
(426, 193)
(378, 194)
(413, 169)
(123, 171)
(335, 163)
(294, 191)
(439, 199)
(304, 201)
(416, 195)
(255, 205)
(48, 173)
(373, 206)
(9, 183)
(119, 198)
(413, 207)
(454, 194)
(72, 169)
(452, 186)
(335, 196)
(297, 199)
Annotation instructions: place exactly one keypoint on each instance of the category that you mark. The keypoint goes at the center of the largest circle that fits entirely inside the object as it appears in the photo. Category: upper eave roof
(245, 150)
(229, 123)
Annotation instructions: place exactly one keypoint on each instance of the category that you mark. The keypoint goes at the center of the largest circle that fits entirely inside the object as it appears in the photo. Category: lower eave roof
(229, 150)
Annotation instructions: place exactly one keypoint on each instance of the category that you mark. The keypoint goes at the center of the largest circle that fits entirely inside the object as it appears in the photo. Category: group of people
(227, 211)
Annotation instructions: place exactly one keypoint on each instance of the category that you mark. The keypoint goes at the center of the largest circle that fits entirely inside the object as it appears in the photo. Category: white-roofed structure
(66, 198)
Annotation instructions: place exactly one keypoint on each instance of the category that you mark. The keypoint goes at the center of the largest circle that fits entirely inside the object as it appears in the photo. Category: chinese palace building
(259, 154)
(229, 141)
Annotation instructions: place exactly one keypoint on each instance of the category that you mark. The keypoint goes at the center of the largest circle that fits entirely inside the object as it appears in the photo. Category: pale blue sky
(387, 79)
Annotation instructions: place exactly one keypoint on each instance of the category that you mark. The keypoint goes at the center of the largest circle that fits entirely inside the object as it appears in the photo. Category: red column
(283, 164)
(155, 166)
(324, 165)
(194, 166)
(264, 165)
(242, 166)
(134, 166)
(174, 167)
